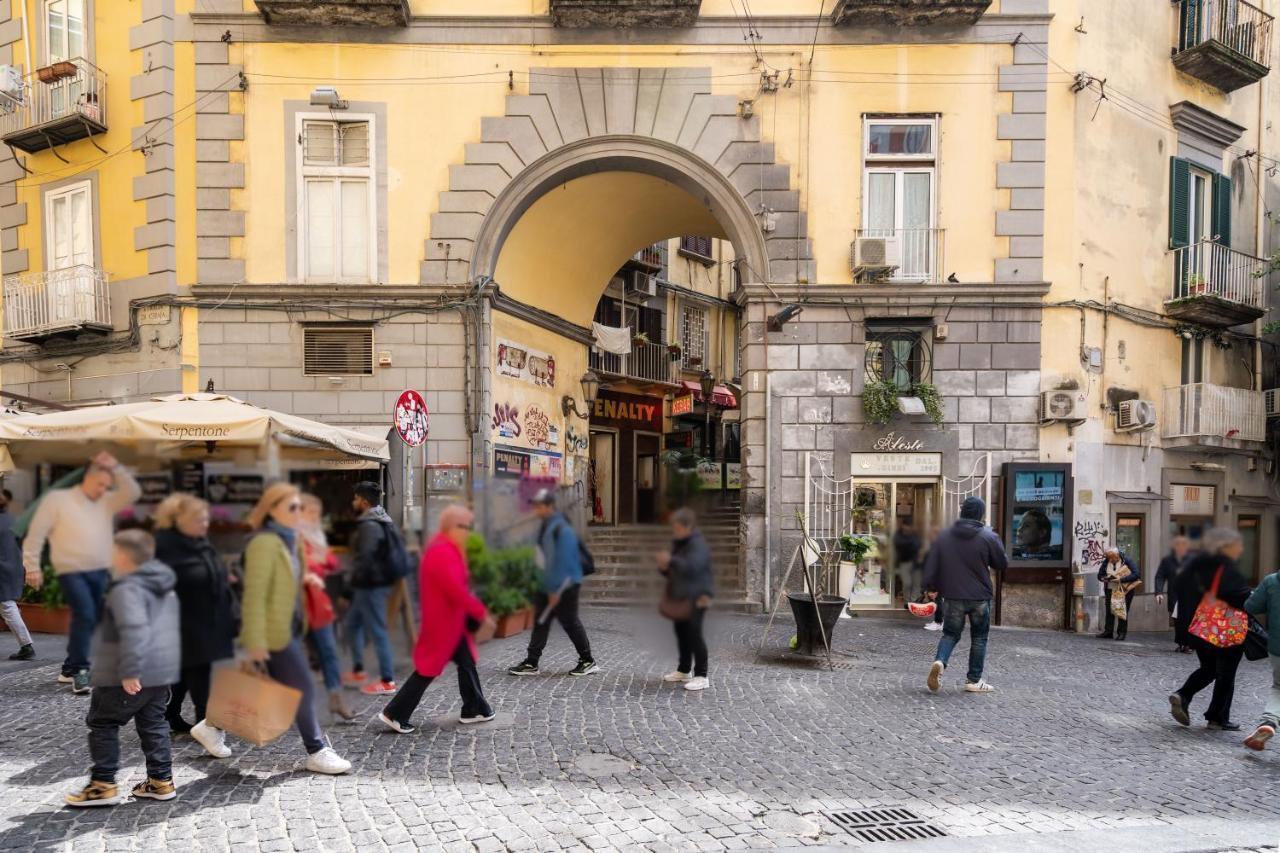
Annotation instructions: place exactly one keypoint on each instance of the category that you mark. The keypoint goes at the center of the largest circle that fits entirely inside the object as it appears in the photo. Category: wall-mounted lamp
(783, 317)
(590, 390)
(327, 96)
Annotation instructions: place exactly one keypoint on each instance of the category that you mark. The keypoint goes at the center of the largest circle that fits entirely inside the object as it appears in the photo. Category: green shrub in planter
(49, 594)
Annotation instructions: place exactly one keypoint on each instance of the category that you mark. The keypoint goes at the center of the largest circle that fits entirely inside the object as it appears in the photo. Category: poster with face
(1039, 510)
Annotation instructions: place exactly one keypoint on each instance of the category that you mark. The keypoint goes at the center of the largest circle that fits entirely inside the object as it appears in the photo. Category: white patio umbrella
(181, 426)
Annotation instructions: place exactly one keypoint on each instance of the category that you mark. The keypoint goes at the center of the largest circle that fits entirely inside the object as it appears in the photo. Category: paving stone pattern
(1076, 738)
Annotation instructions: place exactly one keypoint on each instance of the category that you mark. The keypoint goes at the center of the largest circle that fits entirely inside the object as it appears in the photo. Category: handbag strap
(1217, 579)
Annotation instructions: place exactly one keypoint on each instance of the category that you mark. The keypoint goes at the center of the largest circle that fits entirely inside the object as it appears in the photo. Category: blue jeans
(978, 612)
(84, 592)
(289, 666)
(327, 651)
(369, 611)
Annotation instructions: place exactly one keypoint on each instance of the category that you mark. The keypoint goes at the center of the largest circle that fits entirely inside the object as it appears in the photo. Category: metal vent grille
(886, 824)
(338, 350)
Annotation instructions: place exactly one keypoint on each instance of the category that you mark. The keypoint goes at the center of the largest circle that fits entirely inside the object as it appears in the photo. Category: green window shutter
(1179, 202)
(1189, 24)
(1222, 209)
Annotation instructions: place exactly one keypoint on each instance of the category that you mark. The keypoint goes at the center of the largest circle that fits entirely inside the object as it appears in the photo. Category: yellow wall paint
(190, 324)
(567, 246)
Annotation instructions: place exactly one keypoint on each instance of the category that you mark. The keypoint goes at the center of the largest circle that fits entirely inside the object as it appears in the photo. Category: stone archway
(661, 121)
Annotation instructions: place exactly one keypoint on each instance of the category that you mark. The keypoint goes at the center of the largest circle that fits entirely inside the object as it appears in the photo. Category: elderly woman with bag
(274, 618)
(1210, 592)
(207, 608)
(690, 586)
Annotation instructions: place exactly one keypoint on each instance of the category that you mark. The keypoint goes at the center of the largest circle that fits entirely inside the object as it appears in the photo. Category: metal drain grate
(887, 824)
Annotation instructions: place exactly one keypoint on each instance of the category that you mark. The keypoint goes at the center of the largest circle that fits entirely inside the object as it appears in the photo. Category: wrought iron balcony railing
(1213, 415)
(1226, 43)
(646, 363)
(1214, 285)
(42, 304)
(898, 254)
(60, 103)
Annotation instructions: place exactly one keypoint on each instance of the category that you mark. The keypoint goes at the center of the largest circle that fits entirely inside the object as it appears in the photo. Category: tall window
(1199, 205)
(697, 247)
(693, 336)
(64, 29)
(336, 225)
(898, 198)
(69, 226)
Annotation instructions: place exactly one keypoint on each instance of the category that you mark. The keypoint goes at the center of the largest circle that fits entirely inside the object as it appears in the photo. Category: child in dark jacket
(136, 657)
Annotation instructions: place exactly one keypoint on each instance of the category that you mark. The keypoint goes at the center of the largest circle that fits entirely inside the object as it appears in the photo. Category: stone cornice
(898, 295)
(538, 317)
(539, 31)
(316, 293)
(1195, 120)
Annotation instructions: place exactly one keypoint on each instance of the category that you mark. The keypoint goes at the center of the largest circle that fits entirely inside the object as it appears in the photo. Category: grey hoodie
(139, 635)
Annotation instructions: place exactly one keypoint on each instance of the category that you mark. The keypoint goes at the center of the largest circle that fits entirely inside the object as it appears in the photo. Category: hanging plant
(673, 351)
(932, 400)
(639, 339)
(879, 401)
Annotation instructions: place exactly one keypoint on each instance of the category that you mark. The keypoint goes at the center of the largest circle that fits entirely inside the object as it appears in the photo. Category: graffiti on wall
(537, 427)
(1091, 540)
(506, 420)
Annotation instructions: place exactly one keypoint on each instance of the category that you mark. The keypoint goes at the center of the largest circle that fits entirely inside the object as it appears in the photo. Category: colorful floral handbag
(1216, 622)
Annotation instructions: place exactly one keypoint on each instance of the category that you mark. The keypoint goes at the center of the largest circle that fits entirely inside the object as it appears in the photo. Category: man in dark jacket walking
(1116, 569)
(1173, 562)
(959, 569)
(371, 583)
(689, 580)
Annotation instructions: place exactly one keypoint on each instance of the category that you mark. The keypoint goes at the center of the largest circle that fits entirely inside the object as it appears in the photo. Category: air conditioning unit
(876, 254)
(1135, 415)
(1271, 402)
(1061, 406)
(642, 284)
(11, 83)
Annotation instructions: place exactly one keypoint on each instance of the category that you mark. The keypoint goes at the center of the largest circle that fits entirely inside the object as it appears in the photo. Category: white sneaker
(478, 718)
(327, 761)
(978, 686)
(214, 740)
(698, 683)
(677, 676)
(935, 676)
(933, 626)
(63, 678)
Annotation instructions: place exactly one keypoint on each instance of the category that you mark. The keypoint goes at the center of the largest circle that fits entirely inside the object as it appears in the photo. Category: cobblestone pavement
(1076, 744)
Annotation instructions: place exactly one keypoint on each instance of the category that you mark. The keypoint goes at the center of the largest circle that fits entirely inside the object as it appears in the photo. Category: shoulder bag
(1216, 622)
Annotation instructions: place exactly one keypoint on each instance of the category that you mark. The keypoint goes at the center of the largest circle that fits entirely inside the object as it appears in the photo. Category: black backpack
(394, 555)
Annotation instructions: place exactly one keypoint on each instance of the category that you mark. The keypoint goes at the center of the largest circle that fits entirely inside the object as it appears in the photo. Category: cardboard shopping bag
(250, 705)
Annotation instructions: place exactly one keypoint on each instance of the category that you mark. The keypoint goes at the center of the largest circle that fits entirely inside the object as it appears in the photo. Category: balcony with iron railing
(647, 362)
(43, 304)
(58, 104)
(1226, 43)
(908, 12)
(1214, 285)
(897, 254)
(1205, 416)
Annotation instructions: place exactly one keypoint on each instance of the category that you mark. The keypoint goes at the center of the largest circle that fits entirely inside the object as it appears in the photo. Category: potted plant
(683, 482)
(673, 352)
(56, 71)
(879, 401)
(1196, 285)
(639, 339)
(45, 610)
(928, 394)
(502, 580)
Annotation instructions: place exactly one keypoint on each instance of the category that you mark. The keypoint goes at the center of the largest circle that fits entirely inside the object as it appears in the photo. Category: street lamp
(708, 382)
(590, 390)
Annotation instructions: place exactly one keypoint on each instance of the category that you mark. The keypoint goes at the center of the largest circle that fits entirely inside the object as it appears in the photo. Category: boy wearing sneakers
(136, 651)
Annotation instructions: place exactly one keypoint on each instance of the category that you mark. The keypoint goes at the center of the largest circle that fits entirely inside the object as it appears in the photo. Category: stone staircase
(627, 575)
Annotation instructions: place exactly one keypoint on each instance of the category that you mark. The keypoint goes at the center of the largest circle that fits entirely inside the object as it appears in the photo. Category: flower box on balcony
(55, 72)
(611, 14)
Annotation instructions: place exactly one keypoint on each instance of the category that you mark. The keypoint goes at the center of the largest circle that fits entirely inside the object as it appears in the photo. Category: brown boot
(338, 706)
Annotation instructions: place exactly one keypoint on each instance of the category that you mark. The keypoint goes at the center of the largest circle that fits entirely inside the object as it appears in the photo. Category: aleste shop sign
(632, 411)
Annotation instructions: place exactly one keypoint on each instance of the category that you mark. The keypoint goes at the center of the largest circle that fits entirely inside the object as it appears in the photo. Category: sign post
(412, 423)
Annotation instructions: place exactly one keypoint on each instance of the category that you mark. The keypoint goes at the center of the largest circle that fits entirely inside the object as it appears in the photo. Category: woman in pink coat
(450, 612)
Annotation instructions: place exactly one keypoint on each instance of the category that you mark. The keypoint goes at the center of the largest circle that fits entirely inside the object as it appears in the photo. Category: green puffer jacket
(271, 595)
(1265, 601)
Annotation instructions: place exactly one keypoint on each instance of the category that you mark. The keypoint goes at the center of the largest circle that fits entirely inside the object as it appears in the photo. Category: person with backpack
(380, 562)
(565, 562)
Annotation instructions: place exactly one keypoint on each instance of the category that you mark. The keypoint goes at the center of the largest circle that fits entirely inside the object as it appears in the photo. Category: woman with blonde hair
(273, 617)
(207, 608)
(321, 562)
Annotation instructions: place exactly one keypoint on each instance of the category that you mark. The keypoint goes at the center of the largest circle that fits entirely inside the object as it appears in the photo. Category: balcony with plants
(1225, 43)
(62, 102)
(1216, 286)
(897, 377)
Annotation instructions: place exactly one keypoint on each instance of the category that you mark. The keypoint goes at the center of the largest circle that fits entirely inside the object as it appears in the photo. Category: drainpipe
(1259, 240)
(26, 36)
(768, 514)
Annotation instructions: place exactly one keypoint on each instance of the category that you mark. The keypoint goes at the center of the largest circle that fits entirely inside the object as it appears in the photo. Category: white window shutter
(321, 216)
(354, 240)
(354, 138)
(81, 228)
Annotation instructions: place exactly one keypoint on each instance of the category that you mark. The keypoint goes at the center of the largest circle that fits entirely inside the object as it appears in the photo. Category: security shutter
(699, 246)
(1179, 202)
(338, 350)
(1222, 209)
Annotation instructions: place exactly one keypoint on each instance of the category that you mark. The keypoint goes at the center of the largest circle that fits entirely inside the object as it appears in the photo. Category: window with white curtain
(68, 216)
(64, 23)
(899, 193)
(336, 220)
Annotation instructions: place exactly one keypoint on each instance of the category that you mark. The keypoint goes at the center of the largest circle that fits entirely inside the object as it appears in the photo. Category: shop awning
(721, 396)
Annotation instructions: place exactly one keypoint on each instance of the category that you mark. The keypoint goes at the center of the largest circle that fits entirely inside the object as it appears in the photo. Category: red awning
(721, 396)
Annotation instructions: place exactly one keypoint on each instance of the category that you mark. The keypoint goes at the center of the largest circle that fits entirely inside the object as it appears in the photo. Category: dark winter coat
(204, 594)
(959, 563)
(1167, 571)
(139, 635)
(1194, 581)
(689, 572)
(369, 564)
(12, 576)
(1132, 576)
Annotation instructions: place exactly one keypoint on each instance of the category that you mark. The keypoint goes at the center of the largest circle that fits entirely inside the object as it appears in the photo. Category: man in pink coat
(450, 612)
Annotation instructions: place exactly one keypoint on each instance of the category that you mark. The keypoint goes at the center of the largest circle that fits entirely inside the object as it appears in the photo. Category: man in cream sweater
(77, 523)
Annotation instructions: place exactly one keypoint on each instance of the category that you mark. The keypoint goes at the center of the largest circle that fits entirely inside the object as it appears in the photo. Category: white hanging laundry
(612, 339)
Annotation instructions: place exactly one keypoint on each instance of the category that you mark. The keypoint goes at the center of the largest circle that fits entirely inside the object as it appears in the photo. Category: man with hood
(959, 568)
(372, 578)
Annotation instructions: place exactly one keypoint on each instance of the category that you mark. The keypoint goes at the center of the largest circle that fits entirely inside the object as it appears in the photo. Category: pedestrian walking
(906, 556)
(690, 587)
(1168, 569)
(959, 567)
(450, 614)
(1265, 601)
(560, 553)
(934, 624)
(207, 606)
(11, 582)
(1120, 581)
(321, 563)
(77, 524)
(136, 656)
(1214, 566)
(372, 578)
(273, 619)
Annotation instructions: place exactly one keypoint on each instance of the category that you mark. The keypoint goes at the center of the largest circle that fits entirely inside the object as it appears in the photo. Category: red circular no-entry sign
(411, 418)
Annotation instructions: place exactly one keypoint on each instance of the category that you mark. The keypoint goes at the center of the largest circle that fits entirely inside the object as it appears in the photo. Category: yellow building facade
(965, 206)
